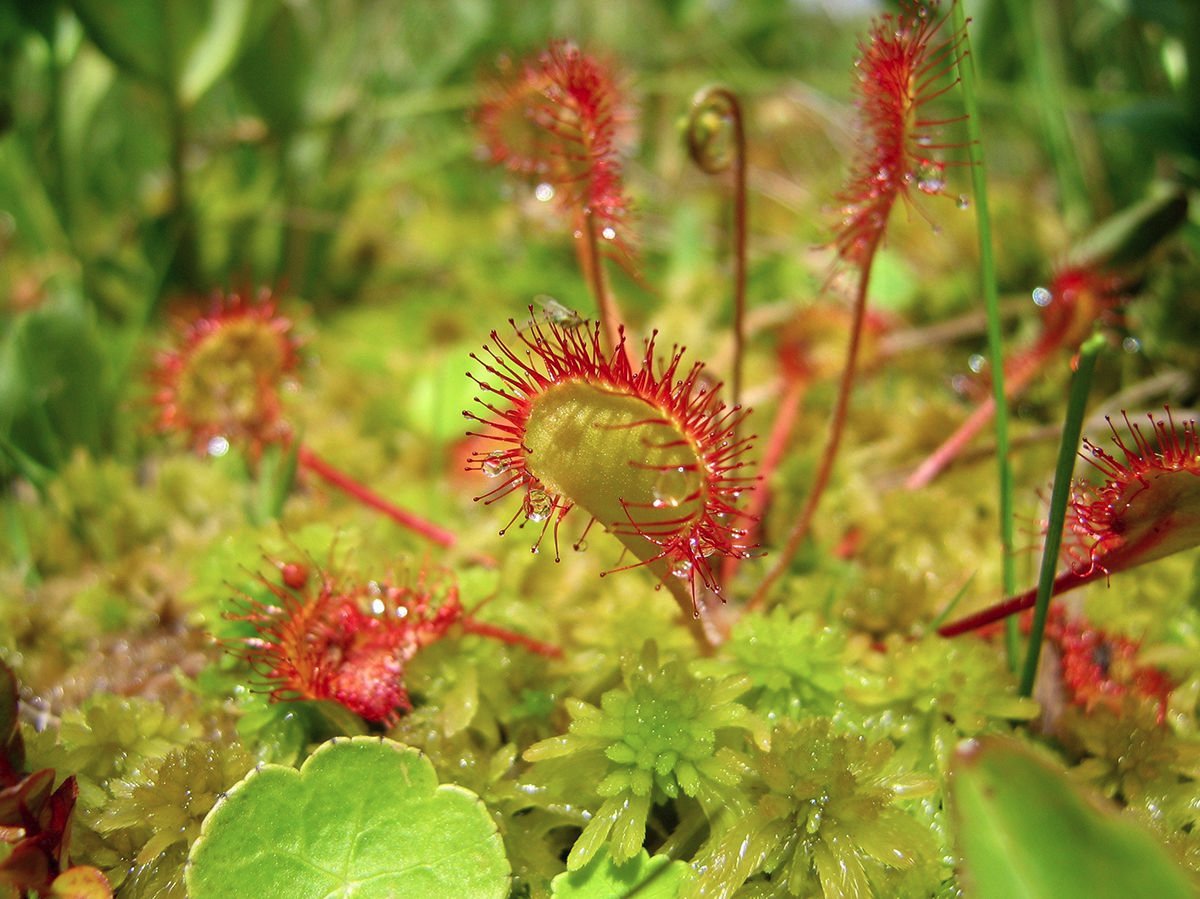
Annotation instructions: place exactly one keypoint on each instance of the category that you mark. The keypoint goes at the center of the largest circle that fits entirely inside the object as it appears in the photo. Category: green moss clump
(824, 817)
(926, 695)
(662, 735)
(160, 806)
(798, 665)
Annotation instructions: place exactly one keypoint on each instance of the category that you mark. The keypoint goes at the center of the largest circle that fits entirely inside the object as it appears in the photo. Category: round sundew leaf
(601, 878)
(363, 817)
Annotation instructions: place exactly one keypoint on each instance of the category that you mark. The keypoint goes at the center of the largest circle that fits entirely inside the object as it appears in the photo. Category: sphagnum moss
(662, 735)
(825, 816)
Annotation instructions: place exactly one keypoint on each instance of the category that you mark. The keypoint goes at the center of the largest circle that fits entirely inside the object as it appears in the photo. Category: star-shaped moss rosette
(1147, 508)
(321, 636)
(927, 695)
(798, 665)
(649, 452)
(825, 820)
(663, 735)
(362, 817)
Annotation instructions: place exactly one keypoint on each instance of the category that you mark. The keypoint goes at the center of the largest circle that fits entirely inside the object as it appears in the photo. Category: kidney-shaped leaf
(1026, 832)
(363, 817)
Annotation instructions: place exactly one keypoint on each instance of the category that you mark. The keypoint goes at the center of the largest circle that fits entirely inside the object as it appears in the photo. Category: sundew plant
(591, 450)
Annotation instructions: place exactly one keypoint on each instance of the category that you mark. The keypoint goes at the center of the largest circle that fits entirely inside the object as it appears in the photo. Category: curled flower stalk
(1148, 507)
(317, 638)
(716, 142)
(223, 382)
(903, 65)
(649, 452)
(557, 121)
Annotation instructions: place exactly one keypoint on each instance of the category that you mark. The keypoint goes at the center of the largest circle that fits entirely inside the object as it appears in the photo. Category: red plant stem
(367, 497)
(1014, 383)
(836, 429)
(1068, 580)
(698, 148)
(471, 626)
(777, 444)
(593, 269)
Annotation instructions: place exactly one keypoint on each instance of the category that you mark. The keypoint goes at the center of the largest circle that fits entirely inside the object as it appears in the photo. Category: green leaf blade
(1026, 832)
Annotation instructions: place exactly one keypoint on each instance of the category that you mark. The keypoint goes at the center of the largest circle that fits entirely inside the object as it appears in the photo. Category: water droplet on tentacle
(671, 487)
(538, 505)
(496, 463)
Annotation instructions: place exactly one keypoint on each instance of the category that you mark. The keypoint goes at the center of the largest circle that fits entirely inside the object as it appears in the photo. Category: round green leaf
(363, 817)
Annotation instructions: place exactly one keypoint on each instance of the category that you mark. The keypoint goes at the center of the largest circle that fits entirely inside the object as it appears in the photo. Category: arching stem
(368, 497)
(836, 429)
(495, 632)
(940, 458)
(590, 261)
(1067, 580)
(702, 141)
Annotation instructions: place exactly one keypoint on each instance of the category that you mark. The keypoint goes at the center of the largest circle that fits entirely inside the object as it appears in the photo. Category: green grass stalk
(1081, 384)
(991, 297)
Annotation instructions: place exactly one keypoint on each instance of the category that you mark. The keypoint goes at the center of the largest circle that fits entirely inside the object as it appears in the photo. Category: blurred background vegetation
(156, 150)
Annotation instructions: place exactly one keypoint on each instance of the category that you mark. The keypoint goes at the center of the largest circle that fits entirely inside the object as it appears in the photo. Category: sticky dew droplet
(538, 505)
(931, 178)
(496, 463)
(1042, 297)
(682, 568)
(671, 487)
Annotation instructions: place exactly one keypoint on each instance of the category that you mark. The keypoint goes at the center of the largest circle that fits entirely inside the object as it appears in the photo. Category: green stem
(1035, 29)
(1081, 384)
(991, 296)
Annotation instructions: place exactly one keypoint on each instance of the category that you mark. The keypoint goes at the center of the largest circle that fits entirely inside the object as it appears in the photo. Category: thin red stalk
(471, 626)
(367, 497)
(1068, 580)
(589, 248)
(937, 461)
(739, 247)
(777, 444)
(699, 148)
(836, 429)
